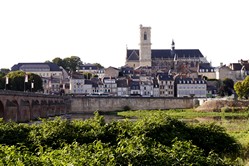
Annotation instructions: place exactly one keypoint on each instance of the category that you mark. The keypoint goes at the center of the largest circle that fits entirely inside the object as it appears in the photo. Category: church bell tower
(145, 46)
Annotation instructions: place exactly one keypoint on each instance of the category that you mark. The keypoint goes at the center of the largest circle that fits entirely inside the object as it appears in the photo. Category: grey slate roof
(179, 80)
(206, 66)
(235, 66)
(166, 53)
(127, 70)
(164, 77)
(36, 66)
(88, 66)
(132, 55)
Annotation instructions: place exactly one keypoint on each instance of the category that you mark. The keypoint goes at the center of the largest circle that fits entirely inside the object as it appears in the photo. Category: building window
(145, 36)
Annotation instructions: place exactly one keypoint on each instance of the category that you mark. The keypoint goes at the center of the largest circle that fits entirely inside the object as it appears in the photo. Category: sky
(99, 31)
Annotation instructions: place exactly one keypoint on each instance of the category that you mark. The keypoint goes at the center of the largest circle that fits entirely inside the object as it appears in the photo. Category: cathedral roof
(133, 55)
(166, 53)
(181, 53)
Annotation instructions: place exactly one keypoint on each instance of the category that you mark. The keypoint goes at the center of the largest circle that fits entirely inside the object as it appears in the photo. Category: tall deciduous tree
(238, 87)
(59, 62)
(226, 88)
(17, 81)
(242, 88)
(69, 63)
(2, 80)
(98, 65)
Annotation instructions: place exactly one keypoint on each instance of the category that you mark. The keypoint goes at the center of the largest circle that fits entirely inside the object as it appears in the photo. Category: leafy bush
(12, 133)
(153, 140)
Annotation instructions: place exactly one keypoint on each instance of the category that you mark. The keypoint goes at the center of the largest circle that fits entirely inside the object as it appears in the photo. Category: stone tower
(145, 46)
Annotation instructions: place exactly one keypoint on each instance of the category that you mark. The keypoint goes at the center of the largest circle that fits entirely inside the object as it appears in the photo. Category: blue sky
(98, 31)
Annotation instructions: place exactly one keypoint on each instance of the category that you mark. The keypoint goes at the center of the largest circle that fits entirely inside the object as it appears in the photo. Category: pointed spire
(173, 45)
(172, 48)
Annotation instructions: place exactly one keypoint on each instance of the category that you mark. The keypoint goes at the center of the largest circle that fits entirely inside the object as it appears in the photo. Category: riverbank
(217, 105)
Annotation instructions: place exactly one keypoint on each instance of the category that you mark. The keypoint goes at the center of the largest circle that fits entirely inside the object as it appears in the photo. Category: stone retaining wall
(108, 104)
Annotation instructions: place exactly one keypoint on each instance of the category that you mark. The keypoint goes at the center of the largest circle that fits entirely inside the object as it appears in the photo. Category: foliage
(69, 63)
(242, 88)
(2, 80)
(59, 62)
(154, 140)
(98, 65)
(239, 89)
(12, 133)
(227, 87)
(17, 78)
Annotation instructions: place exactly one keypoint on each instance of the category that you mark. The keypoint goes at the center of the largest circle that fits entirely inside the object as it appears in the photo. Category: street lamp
(32, 85)
(6, 82)
(25, 80)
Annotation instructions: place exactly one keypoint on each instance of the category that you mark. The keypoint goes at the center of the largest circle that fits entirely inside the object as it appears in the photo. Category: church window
(145, 36)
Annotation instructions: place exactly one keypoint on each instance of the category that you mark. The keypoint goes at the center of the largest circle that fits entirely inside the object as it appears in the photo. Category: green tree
(59, 62)
(226, 88)
(17, 78)
(98, 65)
(246, 87)
(72, 63)
(2, 80)
(242, 88)
(238, 87)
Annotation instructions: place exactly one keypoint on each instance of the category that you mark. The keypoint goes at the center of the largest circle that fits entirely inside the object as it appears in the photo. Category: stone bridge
(24, 106)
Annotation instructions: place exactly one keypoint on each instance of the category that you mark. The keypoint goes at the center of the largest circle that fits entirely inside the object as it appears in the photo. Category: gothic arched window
(145, 36)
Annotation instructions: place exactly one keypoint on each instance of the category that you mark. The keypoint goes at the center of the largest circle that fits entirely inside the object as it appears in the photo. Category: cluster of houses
(147, 73)
(128, 81)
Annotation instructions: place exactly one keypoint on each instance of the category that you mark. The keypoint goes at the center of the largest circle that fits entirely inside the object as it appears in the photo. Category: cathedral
(176, 60)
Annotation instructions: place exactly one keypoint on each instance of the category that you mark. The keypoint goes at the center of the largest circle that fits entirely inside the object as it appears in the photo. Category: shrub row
(154, 140)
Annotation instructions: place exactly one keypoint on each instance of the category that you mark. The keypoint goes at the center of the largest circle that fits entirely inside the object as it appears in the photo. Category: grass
(182, 113)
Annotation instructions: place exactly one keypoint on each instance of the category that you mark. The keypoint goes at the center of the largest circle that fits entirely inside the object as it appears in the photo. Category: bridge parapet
(26, 106)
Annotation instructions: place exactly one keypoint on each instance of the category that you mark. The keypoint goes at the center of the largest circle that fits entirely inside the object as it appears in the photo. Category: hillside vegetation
(152, 140)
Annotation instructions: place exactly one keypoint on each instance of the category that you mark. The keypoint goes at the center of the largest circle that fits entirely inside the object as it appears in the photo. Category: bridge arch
(11, 111)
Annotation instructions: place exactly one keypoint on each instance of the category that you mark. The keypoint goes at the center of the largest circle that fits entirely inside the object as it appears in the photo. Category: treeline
(155, 140)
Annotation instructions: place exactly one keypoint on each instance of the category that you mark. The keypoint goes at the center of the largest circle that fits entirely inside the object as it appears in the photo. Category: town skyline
(40, 31)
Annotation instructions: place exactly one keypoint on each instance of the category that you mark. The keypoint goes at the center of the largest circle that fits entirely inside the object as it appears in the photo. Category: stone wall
(108, 104)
